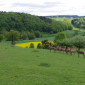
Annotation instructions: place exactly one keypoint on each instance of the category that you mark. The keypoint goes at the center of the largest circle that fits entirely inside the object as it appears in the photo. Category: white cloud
(44, 7)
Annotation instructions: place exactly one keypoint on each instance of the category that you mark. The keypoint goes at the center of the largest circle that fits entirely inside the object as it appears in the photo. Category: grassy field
(82, 30)
(27, 66)
(62, 19)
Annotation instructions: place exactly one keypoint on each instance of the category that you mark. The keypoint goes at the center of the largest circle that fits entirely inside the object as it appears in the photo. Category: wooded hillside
(79, 22)
(27, 22)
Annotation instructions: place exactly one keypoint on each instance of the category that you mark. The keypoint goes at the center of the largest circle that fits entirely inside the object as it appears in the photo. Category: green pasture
(82, 30)
(72, 33)
(62, 19)
(28, 66)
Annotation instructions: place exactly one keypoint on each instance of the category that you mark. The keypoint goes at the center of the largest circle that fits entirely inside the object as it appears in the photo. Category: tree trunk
(13, 42)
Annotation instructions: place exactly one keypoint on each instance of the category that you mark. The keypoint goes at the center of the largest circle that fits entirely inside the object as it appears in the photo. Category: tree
(59, 37)
(37, 34)
(31, 36)
(24, 35)
(66, 42)
(13, 36)
(79, 41)
(1, 37)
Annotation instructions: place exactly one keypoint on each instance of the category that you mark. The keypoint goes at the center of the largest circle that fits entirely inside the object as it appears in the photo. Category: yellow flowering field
(28, 44)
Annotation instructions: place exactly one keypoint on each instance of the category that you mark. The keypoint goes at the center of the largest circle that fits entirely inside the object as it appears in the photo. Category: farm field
(28, 66)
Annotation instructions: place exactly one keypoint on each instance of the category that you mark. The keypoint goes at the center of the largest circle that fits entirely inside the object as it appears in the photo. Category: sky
(44, 7)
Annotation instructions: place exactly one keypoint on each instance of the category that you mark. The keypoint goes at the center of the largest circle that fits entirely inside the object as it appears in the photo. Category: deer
(72, 51)
(80, 52)
(60, 49)
(51, 48)
(67, 50)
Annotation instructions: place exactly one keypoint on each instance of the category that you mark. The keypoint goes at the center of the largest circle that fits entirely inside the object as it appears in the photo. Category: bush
(45, 44)
(39, 45)
(31, 45)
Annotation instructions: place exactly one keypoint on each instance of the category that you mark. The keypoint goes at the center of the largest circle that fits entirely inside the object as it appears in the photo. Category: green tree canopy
(27, 22)
(59, 37)
(1, 37)
(79, 41)
(13, 36)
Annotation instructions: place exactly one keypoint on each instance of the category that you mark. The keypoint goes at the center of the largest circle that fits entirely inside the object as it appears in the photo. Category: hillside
(24, 66)
(78, 23)
(28, 22)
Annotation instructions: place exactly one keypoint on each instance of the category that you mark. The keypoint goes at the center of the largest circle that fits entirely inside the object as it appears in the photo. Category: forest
(79, 22)
(27, 22)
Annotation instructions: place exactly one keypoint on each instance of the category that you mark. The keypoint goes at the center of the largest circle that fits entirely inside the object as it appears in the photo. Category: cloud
(35, 5)
(44, 7)
(26, 5)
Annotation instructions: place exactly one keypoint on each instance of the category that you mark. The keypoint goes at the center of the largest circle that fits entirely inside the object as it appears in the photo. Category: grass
(62, 19)
(79, 29)
(27, 66)
(72, 33)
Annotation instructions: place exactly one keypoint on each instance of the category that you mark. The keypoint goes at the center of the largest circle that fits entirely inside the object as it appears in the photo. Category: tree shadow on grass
(44, 64)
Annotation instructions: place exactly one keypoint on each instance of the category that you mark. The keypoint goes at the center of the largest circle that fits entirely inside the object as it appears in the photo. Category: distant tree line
(79, 22)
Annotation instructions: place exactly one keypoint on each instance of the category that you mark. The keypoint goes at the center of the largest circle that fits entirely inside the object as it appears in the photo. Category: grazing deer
(67, 50)
(72, 51)
(55, 48)
(80, 52)
(51, 48)
(60, 49)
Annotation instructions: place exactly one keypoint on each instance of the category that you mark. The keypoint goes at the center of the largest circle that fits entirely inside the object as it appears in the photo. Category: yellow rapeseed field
(28, 44)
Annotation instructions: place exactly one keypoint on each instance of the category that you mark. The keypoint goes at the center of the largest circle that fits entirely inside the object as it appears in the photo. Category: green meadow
(28, 66)
(31, 66)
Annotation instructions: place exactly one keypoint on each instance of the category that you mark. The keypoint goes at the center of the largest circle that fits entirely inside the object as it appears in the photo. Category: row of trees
(77, 41)
(16, 35)
(79, 22)
(26, 22)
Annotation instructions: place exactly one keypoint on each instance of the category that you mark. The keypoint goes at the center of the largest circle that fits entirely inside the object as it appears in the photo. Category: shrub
(39, 45)
(45, 44)
(31, 45)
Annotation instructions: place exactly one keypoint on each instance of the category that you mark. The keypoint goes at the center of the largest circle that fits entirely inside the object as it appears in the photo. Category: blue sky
(44, 7)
